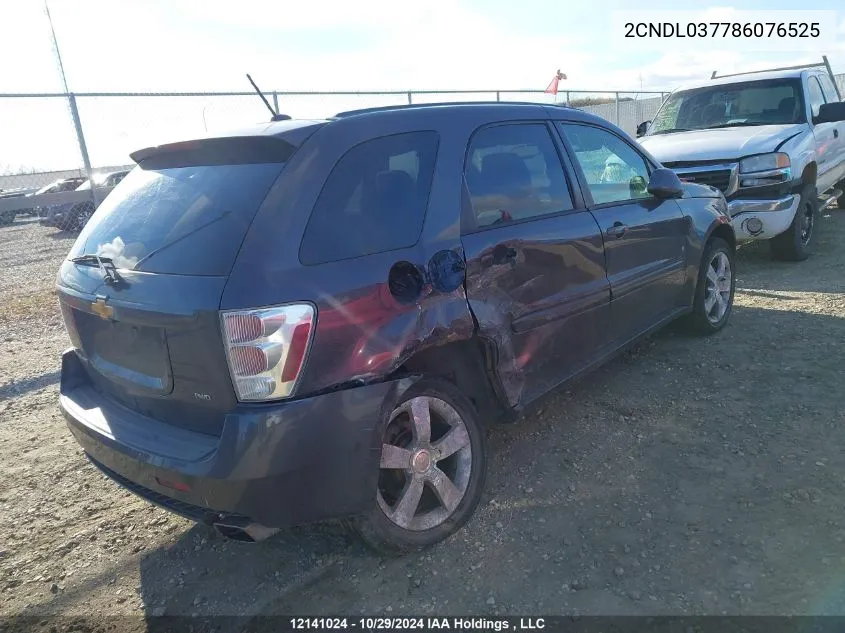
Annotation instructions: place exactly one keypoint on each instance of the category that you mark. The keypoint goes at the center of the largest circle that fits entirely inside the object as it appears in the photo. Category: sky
(188, 45)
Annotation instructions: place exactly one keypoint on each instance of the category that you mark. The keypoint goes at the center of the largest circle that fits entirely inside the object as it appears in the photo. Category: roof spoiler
(227, 150)
(824, 63)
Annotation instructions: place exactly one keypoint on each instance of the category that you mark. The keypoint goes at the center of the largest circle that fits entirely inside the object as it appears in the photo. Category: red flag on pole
(552, 87)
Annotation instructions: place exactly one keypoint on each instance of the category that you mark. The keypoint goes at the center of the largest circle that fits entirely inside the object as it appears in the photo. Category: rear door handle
(617, 230)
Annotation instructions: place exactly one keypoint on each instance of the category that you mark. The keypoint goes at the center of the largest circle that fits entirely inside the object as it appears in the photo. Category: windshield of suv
(178, 220)
(766, 102)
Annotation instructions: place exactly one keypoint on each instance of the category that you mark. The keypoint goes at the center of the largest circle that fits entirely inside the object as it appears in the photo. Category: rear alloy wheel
(7, 217)
(432, 470)
(793, 245)
(714, 294)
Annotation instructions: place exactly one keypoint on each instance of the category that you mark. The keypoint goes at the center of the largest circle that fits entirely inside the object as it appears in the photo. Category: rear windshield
(178, 220)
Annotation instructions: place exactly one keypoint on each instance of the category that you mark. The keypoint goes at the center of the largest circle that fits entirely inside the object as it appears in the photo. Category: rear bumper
(277, 465)
(762, 219)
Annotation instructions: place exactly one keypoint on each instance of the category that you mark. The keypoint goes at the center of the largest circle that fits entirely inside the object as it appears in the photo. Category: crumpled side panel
(491, 309)
(367, 334)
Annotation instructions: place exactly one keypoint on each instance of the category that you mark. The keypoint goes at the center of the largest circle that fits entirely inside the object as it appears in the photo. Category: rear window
(179, 220)
(374, 200)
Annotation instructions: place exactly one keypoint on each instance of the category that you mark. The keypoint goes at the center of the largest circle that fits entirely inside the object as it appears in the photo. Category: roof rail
(411, 106)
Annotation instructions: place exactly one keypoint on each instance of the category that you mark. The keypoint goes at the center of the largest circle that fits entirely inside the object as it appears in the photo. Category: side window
(816, 96)
(614, 170)
(374, 199)
(828, 89)
(513, 172)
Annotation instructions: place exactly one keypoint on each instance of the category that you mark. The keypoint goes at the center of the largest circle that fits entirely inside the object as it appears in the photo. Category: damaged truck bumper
(762, 219)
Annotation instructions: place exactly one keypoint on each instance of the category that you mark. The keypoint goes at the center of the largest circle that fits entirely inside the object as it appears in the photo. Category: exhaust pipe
(244, 530)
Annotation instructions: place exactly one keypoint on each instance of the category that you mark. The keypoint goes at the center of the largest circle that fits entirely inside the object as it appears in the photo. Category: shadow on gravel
(60, 235)
(765, 295)
(204, 573)
(20, 387)
(70, 599)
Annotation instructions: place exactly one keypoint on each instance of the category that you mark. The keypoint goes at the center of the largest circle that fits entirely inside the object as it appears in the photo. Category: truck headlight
(765, 169)
(764, 162)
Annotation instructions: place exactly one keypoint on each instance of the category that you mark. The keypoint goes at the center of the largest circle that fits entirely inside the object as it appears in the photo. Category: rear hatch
(167, 236)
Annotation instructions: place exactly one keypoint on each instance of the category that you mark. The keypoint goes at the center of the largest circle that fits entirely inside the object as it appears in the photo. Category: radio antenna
(274, 116)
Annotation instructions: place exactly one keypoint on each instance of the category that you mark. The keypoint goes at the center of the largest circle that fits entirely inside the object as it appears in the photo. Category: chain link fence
(48, 137)
(53, 136)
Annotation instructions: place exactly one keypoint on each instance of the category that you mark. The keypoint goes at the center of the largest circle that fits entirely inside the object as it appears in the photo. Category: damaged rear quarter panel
(363, 332)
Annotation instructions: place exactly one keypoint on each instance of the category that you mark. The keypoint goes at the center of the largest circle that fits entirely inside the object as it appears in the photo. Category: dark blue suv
(320, 319)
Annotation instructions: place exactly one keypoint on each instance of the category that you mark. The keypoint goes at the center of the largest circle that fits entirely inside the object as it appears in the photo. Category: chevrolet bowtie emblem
(102, 310)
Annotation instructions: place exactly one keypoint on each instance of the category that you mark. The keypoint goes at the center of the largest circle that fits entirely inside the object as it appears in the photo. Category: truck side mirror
(664, 183)
(831, 113)
(642, 128)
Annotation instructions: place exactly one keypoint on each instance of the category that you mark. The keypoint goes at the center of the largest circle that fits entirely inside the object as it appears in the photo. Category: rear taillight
(266, 349)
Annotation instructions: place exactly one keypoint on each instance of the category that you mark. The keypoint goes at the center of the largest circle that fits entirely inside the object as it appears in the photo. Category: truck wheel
(840, 201)
(7, 217)
(793, 245)
(432, 470)
(78, 217)
(714, 292)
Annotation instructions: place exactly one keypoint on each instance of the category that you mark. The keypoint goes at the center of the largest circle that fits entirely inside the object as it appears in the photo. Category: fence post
(617, 111)
(567, 98)
(83, 149)
(276, 101)
(409, 98)
(497, 96)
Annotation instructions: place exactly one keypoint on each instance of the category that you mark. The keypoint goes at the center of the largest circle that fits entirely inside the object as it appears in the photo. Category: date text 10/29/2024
(417, 624)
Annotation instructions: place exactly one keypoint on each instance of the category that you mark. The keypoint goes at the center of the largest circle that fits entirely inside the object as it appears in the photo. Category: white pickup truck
(772, 141)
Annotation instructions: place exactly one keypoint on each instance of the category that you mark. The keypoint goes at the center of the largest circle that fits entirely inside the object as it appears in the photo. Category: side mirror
(664, 183)
(831, 113)
(642, 128)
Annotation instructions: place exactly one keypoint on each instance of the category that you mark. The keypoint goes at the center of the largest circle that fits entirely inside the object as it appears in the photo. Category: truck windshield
(764, 102)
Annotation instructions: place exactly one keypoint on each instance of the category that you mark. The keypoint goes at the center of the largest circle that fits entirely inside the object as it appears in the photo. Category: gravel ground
(689, 476)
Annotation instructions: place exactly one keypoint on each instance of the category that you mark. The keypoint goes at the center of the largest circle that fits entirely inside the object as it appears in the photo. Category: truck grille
(719, 176)
(720, 179)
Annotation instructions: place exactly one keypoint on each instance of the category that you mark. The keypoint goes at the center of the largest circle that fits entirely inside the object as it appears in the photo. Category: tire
(390, 529)
(7, 217)
(711, 308)
(78, 217)
(794, 244)
(840, 201)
